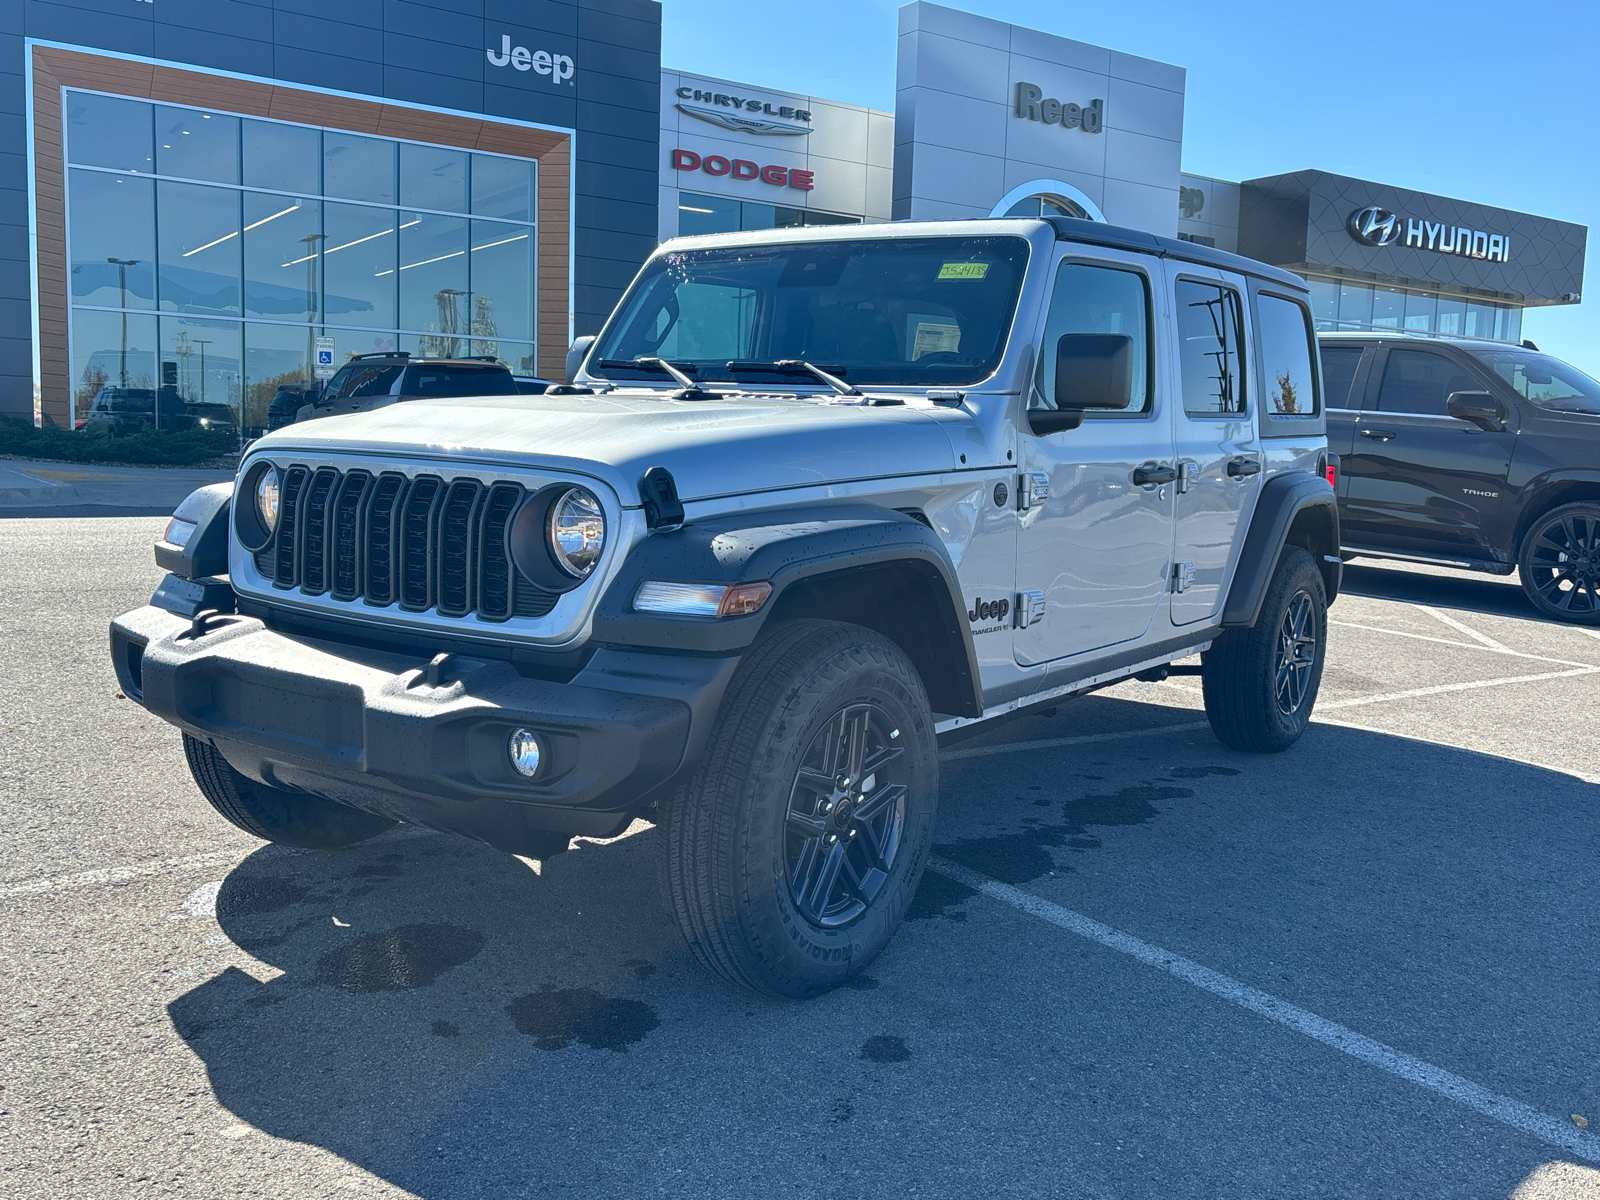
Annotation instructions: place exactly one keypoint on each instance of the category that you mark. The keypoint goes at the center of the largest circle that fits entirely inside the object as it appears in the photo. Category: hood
(712, 447)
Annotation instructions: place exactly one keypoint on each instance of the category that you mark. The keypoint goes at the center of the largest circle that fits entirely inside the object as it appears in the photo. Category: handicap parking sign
(324, 361)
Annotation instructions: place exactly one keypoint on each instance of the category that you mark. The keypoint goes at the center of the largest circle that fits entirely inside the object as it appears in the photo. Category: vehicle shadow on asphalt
(440, 1015)
(1492, 594)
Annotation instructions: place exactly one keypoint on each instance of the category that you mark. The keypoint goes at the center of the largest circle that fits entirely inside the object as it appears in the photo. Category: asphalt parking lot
(1149, 966)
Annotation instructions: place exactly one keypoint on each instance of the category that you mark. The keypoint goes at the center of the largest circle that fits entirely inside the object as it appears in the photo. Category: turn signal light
(701, 599)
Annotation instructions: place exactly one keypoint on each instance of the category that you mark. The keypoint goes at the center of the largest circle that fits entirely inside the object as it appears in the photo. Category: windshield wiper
(797, 366)
(690, 389)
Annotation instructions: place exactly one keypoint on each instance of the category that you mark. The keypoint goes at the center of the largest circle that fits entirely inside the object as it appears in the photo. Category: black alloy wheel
(1297, 653)
(1559, 565)
(846, 815)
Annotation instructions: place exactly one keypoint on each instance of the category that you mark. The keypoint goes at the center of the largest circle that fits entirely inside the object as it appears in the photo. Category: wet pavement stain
(445, 1029)
(885, 1048)
(1200, 772)
(1025, 856)
(263, 894)
(938, 896)
(377, 871)
(640, 967)
(555, 1018)
(411, 956)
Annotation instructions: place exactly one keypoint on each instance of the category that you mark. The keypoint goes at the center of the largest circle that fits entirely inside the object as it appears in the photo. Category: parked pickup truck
(812, 501)
(1469, 453)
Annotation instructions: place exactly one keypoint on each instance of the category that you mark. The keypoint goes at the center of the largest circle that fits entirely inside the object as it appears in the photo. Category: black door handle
(1378, 435)
(1238, 468)
(1152, 473)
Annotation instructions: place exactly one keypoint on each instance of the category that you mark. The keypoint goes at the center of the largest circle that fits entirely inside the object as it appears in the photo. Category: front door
(1419, 479)
(1219, 459)
(1098, 545)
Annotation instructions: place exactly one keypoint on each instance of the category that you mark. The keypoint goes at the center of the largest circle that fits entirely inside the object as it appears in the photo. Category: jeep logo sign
(988, 610)
(558, 66)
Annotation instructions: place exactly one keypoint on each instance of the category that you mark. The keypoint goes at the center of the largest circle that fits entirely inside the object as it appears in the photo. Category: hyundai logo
(1374, 226)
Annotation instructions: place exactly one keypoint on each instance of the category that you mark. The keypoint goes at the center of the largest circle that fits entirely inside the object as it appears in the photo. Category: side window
(1419, 381)
(1210, 348)
(1284, 331)
(1098, 300)
(1339, 365)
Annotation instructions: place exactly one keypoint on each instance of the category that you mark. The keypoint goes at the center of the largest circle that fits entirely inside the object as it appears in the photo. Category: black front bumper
(364, 727)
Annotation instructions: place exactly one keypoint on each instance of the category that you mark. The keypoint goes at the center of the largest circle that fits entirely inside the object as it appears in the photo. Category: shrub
(147, 448)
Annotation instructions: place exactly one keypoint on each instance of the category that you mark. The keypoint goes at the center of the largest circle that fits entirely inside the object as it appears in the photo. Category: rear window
(1339, 365)
(1285, 338)
(437, 383)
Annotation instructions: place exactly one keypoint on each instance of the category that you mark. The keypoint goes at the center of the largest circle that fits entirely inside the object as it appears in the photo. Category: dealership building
(205, 197)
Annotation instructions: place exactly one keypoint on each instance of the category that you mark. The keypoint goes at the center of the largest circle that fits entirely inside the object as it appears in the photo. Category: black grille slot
(285, 558)
(422, 543)
(494, 559)
(418, 516)
(457, 555)
(346, 582)
(314, 532)
(382, 521)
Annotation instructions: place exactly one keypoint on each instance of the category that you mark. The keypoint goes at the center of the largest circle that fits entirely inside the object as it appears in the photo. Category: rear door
(1218, 452)
(1343, 384)
(1419, 479)
(1094, 542)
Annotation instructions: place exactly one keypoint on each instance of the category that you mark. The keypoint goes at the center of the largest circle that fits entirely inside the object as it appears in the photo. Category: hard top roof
(1064, 229)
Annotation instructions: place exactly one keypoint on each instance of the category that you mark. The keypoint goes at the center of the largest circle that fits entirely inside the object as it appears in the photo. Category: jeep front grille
(387, 539)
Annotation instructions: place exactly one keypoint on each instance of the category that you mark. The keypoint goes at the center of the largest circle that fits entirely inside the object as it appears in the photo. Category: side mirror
(1482, 409)
(578, 352)
(1093, 371)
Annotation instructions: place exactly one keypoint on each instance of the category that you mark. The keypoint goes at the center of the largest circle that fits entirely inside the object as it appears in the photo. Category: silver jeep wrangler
(813, 501)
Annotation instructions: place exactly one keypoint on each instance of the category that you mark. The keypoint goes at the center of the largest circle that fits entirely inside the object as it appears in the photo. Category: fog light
(526, 753)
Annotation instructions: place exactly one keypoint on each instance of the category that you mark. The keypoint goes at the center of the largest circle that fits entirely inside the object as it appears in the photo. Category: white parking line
(1422, 637)
(1480, 1099)
(1446, 619)
(1087, 739)
(1442, 688)
(103, 875)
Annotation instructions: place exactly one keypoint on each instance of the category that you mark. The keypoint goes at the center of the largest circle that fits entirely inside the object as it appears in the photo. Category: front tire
(1558, 564)
(794, 852)
(288, 818)
(1260, 683)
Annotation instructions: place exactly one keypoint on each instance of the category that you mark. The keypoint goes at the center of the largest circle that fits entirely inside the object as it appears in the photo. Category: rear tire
(1558, 564)
(790, 858)
(1260, 683)
(288, 818)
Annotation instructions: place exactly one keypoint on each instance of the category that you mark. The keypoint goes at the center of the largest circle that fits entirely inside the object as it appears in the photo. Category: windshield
(1543, 380)
(919, 312)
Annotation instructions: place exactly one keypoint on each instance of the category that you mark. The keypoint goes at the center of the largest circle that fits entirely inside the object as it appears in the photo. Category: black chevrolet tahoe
(1467, 453)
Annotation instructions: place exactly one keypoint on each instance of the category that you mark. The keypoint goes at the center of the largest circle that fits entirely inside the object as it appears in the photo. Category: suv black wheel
(1261, 682)
(792, 855)
(1559, 563)
(288, 818)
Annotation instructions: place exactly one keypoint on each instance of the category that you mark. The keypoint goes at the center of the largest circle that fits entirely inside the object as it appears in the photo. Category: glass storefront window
(111, 349)
(201, 359)
(285, 158)
(1419, 312)
(197, 239)
(107, 131)
(1452, 313)
(197, 145)
(1324, 302)
(433, 177)
(434, 294)
(113, 233)
(706, 214)
(1480, 320)
(282, 237)
(357, 168)
(502, 281)
(1511, 330)
(1388, 307)
(1355, 306)
(268, 269)
(358, 265)
(502, 187)
(715, 214)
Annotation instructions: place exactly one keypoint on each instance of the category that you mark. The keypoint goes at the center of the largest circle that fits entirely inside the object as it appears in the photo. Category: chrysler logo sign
(743, 115)
(1374, 226)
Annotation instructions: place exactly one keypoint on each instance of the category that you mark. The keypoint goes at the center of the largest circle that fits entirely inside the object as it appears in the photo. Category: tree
(1288, 401)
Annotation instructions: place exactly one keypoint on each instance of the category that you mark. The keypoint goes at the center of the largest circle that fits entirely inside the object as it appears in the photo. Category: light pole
(202, 343)
(122, 265)
(312, 307)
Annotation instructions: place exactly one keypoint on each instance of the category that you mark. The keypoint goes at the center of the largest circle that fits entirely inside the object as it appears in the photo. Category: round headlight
(577, 531)
(267, 499)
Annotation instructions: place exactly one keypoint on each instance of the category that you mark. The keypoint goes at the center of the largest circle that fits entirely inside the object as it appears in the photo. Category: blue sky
(1493, 102)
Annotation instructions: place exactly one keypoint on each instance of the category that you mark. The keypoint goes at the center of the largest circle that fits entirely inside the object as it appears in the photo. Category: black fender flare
(1290, 500)
(794, 549)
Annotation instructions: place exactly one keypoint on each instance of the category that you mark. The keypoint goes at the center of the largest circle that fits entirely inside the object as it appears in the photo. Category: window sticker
(934, 338)
(963, 270)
